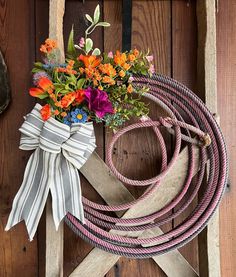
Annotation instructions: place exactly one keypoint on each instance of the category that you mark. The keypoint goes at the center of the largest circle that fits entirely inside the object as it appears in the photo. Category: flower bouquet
(88, 87)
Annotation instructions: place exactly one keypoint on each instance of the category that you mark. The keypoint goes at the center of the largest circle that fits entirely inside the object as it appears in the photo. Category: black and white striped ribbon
(60, 151)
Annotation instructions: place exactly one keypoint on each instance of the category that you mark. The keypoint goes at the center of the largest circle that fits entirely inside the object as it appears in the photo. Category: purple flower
(151, 69)
(110, 55)
(149, 58)
(38, 75)
(98, 102)
(131, 79)
(81, 42)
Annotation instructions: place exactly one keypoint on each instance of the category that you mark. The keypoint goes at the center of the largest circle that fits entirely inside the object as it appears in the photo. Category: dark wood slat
(75, 249)
(226, 60)
(17, 254)
(184, 66)
(41, 33)
(151, 28)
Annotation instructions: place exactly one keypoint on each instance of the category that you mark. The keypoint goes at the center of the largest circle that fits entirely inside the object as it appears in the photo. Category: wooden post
(209, 251)
(54, 239)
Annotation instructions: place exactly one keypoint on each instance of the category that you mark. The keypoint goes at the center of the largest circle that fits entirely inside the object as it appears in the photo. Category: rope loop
(189, 120)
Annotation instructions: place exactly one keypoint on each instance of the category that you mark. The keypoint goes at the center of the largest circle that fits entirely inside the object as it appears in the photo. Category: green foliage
(71, 51)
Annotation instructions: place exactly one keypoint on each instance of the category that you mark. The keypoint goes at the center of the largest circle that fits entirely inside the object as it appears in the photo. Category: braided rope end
(206, 140)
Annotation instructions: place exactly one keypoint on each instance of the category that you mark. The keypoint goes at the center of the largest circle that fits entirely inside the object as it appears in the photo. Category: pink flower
(151, 69)
(81, 42)
(149, 58)
(98, 102)
(131, 79)
(110, 55)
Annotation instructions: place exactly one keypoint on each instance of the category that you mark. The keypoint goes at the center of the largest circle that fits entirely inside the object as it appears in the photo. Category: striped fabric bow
(60, 151)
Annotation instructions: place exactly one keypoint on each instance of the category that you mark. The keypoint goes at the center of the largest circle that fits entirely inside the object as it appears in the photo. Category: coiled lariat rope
(172, 97)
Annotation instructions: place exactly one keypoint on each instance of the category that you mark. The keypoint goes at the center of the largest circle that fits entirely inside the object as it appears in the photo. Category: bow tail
(66, 191)
(30, 200)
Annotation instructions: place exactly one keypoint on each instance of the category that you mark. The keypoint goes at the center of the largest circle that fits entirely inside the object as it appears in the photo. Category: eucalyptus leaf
(89, 18)
(80, 83)
(88, 44)
(71, 47)
(96, 52)
(77, 47)
(34, 70)
(103, 24)
(42, 96)
(96, 14)
(38, 65)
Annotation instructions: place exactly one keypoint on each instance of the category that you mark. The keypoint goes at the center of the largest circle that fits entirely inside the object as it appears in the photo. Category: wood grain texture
(209, 252)
(55, 238)
(41, 33)
(184, 69)
(75, 249)
(169, 188)
(17, 254)
(226, 82)
(150, 29)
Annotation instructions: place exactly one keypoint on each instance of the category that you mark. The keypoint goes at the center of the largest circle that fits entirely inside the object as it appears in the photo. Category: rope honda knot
(206, 139)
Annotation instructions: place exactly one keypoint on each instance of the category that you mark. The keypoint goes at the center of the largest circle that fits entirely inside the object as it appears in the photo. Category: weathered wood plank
(17, 253)
(151, 29)
(41, 33)
(171, 184)
(75, 249)
(105, 261)
(54, 239)
(184, 69)
(209, 251)
(226, 72)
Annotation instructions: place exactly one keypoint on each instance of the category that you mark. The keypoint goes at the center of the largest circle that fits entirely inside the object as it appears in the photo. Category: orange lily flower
(37, 92)
(89, 61)
(68, 99)
(79, 96)
(45, 86)
(120, 58)
(46, 112)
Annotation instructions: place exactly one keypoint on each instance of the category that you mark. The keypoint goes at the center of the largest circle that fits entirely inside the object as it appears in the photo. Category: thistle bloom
(46, 112)
(98, 102)
(38, 75)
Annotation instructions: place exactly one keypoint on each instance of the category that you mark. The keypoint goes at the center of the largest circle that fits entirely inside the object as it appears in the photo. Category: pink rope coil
(202, 130)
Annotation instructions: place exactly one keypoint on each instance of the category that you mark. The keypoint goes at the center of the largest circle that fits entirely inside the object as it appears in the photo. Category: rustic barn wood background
(169, 29)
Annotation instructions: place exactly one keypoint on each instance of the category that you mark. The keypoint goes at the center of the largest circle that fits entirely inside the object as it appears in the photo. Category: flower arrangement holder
(97, 262)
